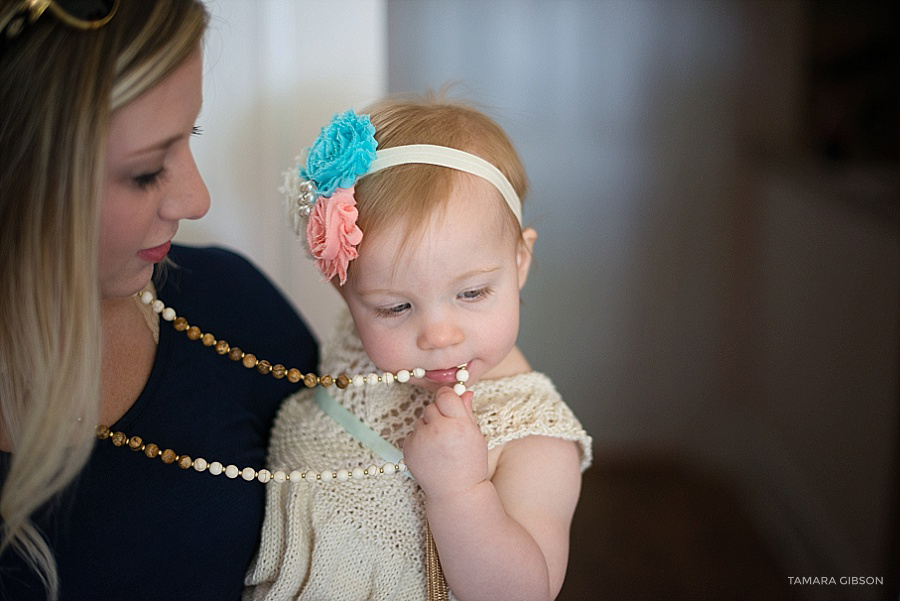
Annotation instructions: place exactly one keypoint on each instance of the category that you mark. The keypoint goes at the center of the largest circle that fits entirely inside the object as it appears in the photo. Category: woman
(98, 107)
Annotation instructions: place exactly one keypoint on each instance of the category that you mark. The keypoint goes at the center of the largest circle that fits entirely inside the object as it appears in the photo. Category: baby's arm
(506, 537)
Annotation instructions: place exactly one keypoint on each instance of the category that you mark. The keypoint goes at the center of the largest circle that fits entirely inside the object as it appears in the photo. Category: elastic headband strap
(429, 154)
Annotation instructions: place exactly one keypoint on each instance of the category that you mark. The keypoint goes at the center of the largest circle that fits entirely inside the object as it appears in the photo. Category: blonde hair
(412, 193)
(58, 88)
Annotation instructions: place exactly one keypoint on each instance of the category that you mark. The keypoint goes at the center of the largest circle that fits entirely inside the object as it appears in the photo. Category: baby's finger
(449, 403)
(430, 413)
(468, 397)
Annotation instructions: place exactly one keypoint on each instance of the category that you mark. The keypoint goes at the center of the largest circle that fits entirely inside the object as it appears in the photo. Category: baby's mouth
(441, 375)
(447, 375)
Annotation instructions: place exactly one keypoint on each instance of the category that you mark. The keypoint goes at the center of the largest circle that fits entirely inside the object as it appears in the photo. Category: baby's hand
(446, 452)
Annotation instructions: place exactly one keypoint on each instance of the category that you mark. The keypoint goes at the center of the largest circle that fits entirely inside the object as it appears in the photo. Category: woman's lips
(155, 254)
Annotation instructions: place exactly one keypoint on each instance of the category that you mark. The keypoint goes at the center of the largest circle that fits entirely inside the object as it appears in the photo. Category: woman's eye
(475, 294)
(146, 180)
(392, 311)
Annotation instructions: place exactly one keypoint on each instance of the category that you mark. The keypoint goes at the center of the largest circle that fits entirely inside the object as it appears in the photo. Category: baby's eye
(475, 294)
(392, 311)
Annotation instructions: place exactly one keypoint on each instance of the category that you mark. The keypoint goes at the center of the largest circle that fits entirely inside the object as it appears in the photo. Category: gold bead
(249, 360)
(279, 371)
(168, 456)
(194, 333)
(222, 347)
(135, 443)
(310, 380)
(151, 450)
(208, 339)
(294, 375)
(184, 462)
(119, 439)
(235, 354)
(264, 367)
(180, 324)
(103, 432)
(326, 380)
(342, 381)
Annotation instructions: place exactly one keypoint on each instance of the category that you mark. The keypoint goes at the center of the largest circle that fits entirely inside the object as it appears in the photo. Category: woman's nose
(189, 197)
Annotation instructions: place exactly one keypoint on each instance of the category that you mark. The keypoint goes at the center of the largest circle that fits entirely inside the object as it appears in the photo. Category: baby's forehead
(459, 233)
(469, 196)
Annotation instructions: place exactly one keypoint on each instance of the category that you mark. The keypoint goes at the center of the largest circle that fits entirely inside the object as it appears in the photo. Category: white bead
(311, 476)
(264, 476)
(215, 468)
(158, 306)
(389, 468)
(232, 471)
(343, 475)
(358, 380)
(462, 375)
(248, 474)
(401, 467)
(168, 314)
(358, 473)
(200, 464)
(372, 379)
(403, 376)
(372, 470)
(295, 476)
(459, 388)
(419, 372)
(147, 297)
(387, 377)
(279, 477)
(327, 476)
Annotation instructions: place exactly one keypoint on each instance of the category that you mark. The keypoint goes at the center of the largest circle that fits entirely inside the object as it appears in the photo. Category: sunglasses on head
(79, 14)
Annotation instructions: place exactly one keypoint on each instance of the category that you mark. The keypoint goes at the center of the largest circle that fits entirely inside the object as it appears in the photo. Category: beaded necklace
(278, 371)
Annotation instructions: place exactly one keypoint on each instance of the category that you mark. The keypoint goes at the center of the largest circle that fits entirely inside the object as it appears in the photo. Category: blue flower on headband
(342, 152)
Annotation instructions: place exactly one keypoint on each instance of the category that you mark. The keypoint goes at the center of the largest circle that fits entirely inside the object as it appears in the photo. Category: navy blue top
(135, 528)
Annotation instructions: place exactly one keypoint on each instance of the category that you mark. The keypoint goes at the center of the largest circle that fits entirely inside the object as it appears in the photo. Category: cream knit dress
(365, 539)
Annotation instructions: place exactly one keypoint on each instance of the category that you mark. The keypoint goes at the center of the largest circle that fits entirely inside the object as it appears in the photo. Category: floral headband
(321, 195)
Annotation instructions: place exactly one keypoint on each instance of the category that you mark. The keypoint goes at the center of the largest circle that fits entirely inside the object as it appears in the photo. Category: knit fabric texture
(365, 539)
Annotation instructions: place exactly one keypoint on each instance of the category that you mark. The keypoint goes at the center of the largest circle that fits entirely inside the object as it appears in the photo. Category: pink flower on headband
(332, 233)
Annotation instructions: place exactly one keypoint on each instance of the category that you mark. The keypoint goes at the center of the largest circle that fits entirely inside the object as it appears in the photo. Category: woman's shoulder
(213, 279)
(210, 264)
(223, 292)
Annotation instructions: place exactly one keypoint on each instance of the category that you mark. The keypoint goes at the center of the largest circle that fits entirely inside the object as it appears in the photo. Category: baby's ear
(524, 254)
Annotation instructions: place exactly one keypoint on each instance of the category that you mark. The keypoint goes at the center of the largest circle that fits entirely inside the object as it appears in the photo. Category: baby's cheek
(379, 348)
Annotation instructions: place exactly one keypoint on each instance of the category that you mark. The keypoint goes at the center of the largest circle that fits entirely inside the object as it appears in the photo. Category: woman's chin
(122, 287)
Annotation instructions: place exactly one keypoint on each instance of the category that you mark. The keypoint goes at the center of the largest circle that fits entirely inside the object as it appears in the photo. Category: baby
(426, 454)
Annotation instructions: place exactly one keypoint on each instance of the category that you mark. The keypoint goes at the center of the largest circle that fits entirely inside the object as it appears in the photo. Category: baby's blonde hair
(412, 193)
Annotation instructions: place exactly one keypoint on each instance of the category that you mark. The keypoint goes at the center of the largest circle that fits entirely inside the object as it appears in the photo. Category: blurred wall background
(276, 72)
(718, 271)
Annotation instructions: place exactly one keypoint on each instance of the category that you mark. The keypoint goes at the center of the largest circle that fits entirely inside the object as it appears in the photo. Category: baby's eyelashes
(471, 295)
(393, 310)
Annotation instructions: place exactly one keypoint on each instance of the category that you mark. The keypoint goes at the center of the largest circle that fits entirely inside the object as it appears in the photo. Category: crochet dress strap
(527, 405)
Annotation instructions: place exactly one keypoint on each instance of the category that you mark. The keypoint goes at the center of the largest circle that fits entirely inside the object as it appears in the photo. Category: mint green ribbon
(357, 429)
